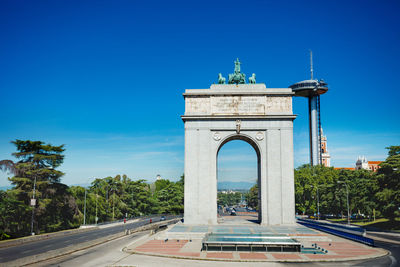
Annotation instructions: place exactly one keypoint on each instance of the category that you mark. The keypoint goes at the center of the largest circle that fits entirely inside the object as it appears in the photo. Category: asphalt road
(393, 260)
(395, 237)
(105, 254)
(43, 246)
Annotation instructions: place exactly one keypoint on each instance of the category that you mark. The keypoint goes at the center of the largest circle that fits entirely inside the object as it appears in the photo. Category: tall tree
(14, 216)
(388, 177)
(252, 197)
(35, 173)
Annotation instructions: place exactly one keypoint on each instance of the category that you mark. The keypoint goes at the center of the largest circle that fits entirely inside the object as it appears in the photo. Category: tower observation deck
(309, 88)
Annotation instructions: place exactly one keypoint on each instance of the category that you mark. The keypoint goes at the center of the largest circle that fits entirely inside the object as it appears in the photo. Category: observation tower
(312, 89)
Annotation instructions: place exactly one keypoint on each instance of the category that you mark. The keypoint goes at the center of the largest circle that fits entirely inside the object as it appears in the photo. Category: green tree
(388, 178)
(362, 185)
(14, 216)
(120, 196)
(393, 150)
(55, 208)
(169, 196)
(252, 197)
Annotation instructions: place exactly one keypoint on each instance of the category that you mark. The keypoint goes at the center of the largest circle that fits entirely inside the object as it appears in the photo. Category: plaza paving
(164, 244)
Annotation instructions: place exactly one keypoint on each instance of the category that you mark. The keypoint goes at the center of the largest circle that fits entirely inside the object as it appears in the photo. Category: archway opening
(238, 181)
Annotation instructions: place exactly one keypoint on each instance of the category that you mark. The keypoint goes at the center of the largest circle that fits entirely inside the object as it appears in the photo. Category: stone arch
(251, 112)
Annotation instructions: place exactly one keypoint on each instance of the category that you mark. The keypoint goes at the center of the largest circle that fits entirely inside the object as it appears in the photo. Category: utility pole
(348, 206)
(33, 204)
(113, 204)
(84, 210)
(96, 205)
(317, 203)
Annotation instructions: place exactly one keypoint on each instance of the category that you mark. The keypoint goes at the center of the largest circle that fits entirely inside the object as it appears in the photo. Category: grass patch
(379, 224)
(337, 220)
(382, 224)
(365, 223)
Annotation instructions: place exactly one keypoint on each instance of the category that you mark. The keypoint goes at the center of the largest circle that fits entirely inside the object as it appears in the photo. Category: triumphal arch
(237, 110)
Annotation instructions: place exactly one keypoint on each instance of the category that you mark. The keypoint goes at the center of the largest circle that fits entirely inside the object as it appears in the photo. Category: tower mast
(311, 66)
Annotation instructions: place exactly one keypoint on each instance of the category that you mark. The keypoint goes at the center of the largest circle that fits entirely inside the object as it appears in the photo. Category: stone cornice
(230, 117)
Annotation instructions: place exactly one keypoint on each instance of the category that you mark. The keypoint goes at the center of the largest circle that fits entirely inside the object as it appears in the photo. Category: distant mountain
(235, 185)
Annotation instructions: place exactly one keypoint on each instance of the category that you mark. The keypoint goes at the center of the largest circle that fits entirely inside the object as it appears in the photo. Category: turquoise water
(244, 229)
(199, 229)
(249, 238)
(311, 251)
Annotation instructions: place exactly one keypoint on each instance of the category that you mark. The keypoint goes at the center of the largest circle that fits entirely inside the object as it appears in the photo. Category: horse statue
(221, 80)
(252, 79)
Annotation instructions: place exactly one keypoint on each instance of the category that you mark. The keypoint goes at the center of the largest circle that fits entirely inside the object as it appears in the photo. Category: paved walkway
(328, 247)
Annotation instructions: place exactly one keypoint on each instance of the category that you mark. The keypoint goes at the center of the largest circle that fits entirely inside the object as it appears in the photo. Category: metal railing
(167, 216)
(350, 232)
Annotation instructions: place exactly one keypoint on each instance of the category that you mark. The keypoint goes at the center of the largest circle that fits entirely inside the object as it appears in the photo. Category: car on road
(162, 218)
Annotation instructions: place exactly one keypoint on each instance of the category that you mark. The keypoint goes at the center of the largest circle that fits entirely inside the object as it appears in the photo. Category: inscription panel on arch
(197, 106)
(234, 105)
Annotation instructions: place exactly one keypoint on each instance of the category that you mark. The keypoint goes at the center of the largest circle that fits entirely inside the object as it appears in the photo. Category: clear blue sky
(106, 78)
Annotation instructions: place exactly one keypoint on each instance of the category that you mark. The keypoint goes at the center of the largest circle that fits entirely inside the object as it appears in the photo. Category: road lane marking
(394, 261)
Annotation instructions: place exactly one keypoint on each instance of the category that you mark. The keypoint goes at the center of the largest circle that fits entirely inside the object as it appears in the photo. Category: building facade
(363, 164)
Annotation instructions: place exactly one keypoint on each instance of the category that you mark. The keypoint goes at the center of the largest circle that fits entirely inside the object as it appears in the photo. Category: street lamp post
(317, 202)
(347, 194)
(113, 202)
(84, 208)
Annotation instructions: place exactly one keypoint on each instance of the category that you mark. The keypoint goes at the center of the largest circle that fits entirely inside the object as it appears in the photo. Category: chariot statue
(237, 77)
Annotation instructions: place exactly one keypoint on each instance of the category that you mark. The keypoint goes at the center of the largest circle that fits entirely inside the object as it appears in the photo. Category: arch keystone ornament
(259, 136)
(217, 136)
(251, 112)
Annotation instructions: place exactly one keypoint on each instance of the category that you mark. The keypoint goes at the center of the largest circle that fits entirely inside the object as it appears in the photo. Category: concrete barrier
(153, 226)
(28, 239)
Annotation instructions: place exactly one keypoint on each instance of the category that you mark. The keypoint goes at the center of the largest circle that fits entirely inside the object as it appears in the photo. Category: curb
(384, 253)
